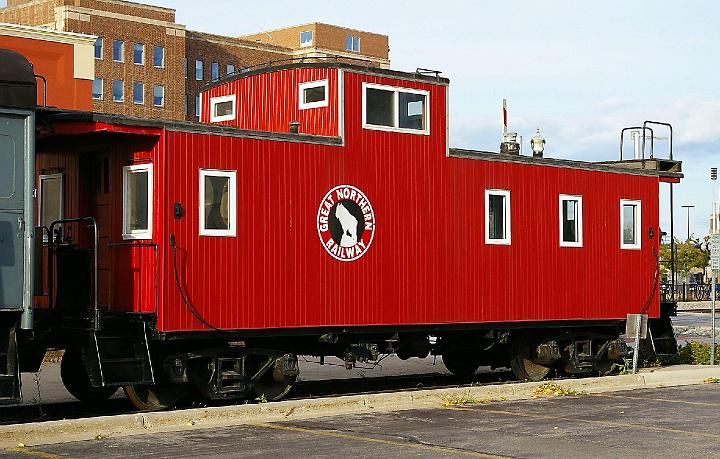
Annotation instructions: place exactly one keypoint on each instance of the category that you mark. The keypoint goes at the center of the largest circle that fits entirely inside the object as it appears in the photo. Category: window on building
(185, 68)
(97, 89)
(159, 57)
(222, 108)
(50, 199)
(137, 201)
(98, 48)
(138, 93)
(158, 95)
(138, 53)
(313, 94)
(118, 50)
(630, 224)
(118, 91)
(306, 38)
(571, 222)
(497, 217)
(395, 109)
(214, 70)
(217, 203)
(230, 69)
(198, 70)
(197, 105)
(352, 43)
(187, 104)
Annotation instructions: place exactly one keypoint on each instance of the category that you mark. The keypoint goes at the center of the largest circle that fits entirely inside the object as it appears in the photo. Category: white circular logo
(346, 223)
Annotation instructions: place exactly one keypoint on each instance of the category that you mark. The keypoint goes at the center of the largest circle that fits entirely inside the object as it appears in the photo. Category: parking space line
(624, 425)
(362, 438)
(653, 399)
(31, 452)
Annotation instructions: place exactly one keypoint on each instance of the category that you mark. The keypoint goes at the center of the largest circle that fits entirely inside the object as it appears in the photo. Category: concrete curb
(198, 418)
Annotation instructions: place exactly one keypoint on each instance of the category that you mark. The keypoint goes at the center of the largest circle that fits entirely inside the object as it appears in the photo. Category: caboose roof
(420, 75)
(78, 123)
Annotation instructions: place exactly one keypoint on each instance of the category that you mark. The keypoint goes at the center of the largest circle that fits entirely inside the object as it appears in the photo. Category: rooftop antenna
(509, 145)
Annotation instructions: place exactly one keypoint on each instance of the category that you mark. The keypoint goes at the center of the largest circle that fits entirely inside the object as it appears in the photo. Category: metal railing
(687, 292)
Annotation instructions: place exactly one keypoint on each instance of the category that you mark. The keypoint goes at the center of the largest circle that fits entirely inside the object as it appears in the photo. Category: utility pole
(714, 260)
(688, 207)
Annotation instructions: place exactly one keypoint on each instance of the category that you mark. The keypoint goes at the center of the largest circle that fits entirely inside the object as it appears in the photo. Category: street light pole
(688, 207)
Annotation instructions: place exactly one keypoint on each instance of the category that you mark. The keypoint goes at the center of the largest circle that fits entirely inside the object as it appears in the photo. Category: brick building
(148, 65)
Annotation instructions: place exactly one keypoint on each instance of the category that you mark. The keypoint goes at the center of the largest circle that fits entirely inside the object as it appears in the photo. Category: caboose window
(222, 108)
(570, 221)
(313, 94)
(137, 201)
(497, 217)
(50, 199)
(217, 203)
(395, 109)
(629, 224)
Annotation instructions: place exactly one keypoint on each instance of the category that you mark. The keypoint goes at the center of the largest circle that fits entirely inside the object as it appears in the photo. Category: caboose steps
(120, 357)
(10, 385)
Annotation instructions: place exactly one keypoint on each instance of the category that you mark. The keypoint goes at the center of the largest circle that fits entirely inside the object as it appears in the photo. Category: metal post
(636, 351)
(712, 291)
(688, 207)
(672, 242)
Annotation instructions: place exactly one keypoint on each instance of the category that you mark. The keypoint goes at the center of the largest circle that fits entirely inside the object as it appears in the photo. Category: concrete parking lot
(665, 422)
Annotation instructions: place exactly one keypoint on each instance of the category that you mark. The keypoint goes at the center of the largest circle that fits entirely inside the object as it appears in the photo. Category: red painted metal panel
(270, 101)
(428, 263)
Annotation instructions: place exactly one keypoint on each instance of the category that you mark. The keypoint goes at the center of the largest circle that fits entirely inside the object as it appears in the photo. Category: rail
(93, 223)
(155, 248)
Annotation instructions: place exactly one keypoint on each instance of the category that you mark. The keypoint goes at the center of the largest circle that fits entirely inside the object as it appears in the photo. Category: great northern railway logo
(346, 223)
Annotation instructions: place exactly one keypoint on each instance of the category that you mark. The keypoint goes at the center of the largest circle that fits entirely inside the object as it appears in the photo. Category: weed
(550, 389)
(261, 399)
(467, 399)
(626, 367)
(712, 381)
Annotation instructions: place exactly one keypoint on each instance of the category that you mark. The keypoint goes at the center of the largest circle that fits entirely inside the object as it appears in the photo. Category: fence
(688, 292)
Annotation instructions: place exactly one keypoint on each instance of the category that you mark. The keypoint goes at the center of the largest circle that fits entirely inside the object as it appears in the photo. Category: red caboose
(318, 209)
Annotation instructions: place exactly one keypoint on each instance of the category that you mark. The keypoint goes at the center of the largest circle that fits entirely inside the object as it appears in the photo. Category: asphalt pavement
(665, 422)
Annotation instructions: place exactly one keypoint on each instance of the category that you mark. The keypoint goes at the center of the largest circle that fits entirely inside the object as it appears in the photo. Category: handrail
(632, 128)
(659, 123)
(155, 248)
(44, 89)
(96, 239)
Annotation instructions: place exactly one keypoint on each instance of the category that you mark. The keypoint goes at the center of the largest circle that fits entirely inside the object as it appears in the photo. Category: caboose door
(16, 216)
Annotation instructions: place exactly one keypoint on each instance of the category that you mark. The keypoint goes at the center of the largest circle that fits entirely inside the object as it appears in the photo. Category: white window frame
(218, 100)
(143, 54)
(102, 88)
(506, 194)
(102, 48)
(638, 224)
(232, 199)
(122, 50)
(304, 44)
(41, 179)
(578, 220)
(309, 85)
(122, 98)
(142, 102)
(163, 95)
(396, 121)
(162, 63)
(352, 42)
(137, 234)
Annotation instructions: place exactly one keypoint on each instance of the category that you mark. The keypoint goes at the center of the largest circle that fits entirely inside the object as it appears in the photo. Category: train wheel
(277, 381)
(152, 398)
(463, 364)
(75, 379)
(523, 366)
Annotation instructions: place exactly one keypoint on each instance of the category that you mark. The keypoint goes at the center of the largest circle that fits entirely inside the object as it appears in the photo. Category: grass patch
(693, 353)
(712, 381)
(550, 389)
(466, 399)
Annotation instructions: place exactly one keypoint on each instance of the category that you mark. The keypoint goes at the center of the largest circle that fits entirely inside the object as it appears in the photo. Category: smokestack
(509, 144)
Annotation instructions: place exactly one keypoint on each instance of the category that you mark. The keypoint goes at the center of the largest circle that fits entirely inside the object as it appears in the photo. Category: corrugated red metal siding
(428, 262)
(270, 101)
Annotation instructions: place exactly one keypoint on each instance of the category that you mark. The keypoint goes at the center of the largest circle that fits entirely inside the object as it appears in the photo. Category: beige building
(148, 65)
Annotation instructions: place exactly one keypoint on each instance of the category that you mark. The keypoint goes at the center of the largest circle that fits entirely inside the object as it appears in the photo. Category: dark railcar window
(412, 110)
(496, 218)
(380, 107)
(570, 221)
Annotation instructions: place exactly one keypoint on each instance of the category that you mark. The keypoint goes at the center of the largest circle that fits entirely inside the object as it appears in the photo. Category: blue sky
(578, 70)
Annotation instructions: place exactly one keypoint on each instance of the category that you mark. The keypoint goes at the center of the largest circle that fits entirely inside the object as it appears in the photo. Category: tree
(687, 255)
